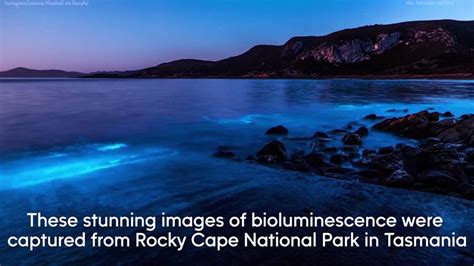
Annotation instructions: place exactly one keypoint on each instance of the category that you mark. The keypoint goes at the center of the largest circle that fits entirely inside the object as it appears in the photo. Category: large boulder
(363, 131)
(278, 130)
(460, 132)
(414, 125)
(272, 152)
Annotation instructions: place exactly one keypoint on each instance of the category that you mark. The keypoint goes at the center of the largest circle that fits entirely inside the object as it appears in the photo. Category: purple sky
(127, 34)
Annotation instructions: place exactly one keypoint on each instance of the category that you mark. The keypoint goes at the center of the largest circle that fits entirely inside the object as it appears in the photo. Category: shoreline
(442, 162)
(467, 77)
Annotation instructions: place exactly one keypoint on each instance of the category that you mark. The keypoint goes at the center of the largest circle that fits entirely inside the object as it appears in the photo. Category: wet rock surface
(272, 152)
(442, 162)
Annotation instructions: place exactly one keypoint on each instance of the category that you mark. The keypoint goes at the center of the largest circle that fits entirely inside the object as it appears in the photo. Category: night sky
(127, 34)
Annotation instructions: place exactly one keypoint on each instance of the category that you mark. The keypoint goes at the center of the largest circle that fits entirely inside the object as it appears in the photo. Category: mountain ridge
(433, 48)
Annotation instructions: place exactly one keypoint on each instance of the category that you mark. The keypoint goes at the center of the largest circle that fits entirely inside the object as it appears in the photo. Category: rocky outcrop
(442, 162)
(424, 125)
(272, 152)
(353, 51)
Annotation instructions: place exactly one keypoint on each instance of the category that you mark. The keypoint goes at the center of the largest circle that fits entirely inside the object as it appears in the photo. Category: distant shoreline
(455, 76)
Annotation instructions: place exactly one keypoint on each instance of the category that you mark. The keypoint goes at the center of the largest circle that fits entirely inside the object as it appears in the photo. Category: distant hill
(409, 49)
(21, 72)
(437, 48)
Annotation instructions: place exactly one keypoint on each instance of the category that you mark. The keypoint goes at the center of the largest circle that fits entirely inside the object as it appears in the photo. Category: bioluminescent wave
(74, 163)
(111, 147)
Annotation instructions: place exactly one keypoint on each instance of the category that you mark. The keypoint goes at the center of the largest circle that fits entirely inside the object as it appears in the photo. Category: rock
(441, 179)
(278, 130)
(367, 152)
(352, 139)
(319, 134)
(399, 178)
(363, 131)
(272, 152)
(338, 158)
(353, 155)
(414, 125)
(469, 169)
(447, 114)
(314, 159)
(223, 152)
(372, 117)
(386, 150)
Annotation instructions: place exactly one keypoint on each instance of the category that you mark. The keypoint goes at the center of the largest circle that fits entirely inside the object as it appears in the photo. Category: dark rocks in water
(432, 140)
(338, 158)
(272, 152)
(278, 130)
(363, 131)
(441, 162)
(314, 159)
(447, 114)
(352, 139)
(373, 117)
(399, 178)
(319, 134)
(367, 152)
(224, 152)
(441, 179)
(413, 125)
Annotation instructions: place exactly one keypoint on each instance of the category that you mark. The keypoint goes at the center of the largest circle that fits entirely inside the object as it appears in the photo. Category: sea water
(111, 147)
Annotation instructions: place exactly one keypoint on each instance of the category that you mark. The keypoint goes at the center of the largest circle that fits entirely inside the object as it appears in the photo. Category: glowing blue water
(116, 146)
